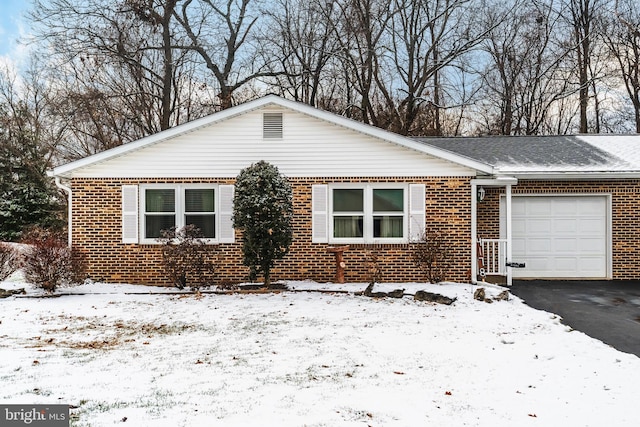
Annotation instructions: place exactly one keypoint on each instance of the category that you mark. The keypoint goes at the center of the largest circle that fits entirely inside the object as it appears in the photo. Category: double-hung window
(199, 210)
(165, 206)
(348, 213)
(388, 213)
(159, 211)
(368, 213)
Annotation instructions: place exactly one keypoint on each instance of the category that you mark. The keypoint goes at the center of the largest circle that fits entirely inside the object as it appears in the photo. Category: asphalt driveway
(606, 310)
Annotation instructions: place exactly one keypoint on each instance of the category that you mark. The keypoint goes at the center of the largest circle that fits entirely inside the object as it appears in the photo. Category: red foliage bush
(48, 262)
(8, 262)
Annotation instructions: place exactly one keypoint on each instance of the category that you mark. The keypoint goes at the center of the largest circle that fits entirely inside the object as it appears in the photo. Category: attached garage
(561, 236)
(574, 207)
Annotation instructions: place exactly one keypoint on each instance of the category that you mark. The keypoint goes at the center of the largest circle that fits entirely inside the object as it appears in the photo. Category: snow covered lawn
(308, 359)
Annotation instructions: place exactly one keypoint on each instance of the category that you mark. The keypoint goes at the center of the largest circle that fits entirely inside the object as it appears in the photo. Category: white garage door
(560, 236)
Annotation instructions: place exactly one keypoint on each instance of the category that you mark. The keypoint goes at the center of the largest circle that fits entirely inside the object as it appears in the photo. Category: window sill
(362, 242)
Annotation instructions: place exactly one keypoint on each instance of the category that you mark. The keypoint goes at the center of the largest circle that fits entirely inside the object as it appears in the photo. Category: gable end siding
(309, 147)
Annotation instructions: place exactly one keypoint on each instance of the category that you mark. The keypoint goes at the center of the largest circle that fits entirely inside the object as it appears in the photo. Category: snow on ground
(307, 359)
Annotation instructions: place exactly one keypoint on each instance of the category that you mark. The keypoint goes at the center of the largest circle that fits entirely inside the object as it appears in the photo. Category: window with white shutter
(153, 208)
(349, 213)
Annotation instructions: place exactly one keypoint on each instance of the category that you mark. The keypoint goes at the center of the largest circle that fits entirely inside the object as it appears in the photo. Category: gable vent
(272, 125)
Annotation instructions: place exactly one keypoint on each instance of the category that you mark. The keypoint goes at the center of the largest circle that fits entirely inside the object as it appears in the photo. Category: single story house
(562, 206)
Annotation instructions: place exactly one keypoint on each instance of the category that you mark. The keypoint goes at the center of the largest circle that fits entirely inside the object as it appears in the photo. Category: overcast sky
(12, 25)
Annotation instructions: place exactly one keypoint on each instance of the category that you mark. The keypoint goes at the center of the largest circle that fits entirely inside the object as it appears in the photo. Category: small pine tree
(263, 210)
(28, 197)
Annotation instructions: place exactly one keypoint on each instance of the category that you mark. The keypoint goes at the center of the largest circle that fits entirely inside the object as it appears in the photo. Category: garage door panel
(538, 226)
(538, 206)
(560, 236)
(593, 206)
(596, 226)
(519, 244)
(565, 245)
(592, 264)
(519, 226)
(565, 264)
(518, 210)
(565, 225)
(591, 245)
(535, 246)
(564, 207)
(539, 264)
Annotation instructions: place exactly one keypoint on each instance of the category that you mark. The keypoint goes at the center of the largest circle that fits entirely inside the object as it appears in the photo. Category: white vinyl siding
(309, 147)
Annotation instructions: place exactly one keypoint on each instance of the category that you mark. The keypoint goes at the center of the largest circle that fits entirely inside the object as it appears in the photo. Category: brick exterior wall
(625, 201)
(97, 222)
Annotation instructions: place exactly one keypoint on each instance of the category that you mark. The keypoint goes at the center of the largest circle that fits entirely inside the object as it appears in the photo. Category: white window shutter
(320, 213)
(129, 214)
(226, 233)
(417, 207)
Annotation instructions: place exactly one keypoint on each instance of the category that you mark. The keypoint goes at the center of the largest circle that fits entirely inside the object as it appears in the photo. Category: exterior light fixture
(481, 194)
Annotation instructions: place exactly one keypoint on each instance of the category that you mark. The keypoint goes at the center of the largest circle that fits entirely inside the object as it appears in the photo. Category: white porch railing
(494, 253)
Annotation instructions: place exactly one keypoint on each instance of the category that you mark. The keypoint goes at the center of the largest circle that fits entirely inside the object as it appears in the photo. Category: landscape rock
(502, 296)
(396, 293)
(479, 294)
(4, 293)
(431, 297)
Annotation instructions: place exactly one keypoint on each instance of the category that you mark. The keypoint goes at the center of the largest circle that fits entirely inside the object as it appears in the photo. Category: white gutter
(574, 175)
(67, 189)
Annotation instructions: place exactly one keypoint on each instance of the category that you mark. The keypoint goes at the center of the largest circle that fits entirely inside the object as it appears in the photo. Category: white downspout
(509, 234)
(67, 189)
(474, 233)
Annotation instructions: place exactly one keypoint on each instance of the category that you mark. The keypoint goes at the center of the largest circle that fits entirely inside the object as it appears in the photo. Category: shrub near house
(263, 211)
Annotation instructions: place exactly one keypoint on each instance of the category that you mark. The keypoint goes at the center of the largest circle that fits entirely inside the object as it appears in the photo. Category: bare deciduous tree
(120, 72)
(427, 38)
(223, 34)
(306, 47)
(125, 69)
(525, 84)
(582, 17)
(361, 29)
(622, 37)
